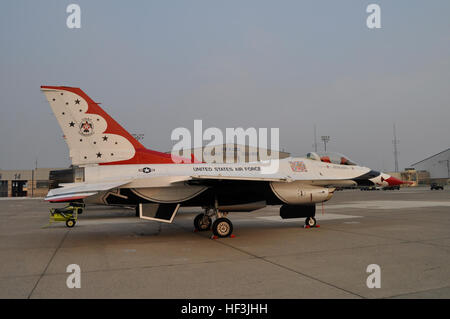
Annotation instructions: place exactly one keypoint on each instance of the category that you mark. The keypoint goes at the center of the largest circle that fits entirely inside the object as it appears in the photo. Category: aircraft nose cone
(392, 181)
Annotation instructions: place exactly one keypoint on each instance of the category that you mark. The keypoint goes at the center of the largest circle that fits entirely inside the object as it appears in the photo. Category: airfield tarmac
(406, 233)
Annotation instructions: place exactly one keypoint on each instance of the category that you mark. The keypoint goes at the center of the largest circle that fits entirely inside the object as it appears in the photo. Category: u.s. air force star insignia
(86, 127)
(146, 170)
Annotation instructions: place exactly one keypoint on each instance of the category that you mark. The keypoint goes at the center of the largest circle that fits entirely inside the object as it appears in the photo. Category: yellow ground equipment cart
(68, 214)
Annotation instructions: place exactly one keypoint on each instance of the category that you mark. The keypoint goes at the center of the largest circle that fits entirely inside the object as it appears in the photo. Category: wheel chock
(217, 237)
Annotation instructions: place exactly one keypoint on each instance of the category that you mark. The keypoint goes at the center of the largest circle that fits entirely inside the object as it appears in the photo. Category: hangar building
(23, 183)
(437, 165)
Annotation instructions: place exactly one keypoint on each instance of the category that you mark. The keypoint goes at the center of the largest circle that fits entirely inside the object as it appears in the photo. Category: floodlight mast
(138, 136)
(315, 139)
(395, 142)
(325, 139)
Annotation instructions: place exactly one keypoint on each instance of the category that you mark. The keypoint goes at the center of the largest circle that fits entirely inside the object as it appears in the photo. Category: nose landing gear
(310, 222)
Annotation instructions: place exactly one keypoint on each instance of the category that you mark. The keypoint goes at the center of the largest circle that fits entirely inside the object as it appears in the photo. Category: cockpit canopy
(330, 157)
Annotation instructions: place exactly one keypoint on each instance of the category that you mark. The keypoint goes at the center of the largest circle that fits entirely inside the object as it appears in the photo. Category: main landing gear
(221, 227)
(202, 222)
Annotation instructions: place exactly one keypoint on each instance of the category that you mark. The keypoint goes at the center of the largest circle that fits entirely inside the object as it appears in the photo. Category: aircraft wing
(74, 191)
(311, 180)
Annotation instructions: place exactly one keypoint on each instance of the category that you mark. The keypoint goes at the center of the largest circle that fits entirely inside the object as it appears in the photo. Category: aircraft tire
(222, 227)
(311, 222)
(199, 222)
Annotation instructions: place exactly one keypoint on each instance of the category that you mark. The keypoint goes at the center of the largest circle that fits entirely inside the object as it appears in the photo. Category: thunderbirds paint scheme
(118, 170)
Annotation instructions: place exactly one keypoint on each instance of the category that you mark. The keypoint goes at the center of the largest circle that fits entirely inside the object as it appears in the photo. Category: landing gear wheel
(222, 227)
(70, 223)
(311, 222)
(202, 222)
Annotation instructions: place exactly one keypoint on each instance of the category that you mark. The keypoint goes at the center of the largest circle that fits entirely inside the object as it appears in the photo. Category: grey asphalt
(406, 233)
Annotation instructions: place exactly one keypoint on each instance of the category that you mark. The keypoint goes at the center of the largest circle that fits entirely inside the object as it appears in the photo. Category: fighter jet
(119, 170)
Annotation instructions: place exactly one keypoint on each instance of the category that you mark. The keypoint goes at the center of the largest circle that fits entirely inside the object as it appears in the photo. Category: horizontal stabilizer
(68, 197)
(75, 191)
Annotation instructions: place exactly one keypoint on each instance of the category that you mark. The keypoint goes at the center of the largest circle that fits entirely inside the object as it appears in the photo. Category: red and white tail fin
(92, 135)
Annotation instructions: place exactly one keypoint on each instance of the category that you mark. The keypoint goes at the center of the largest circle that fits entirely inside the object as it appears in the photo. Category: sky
(158, 65)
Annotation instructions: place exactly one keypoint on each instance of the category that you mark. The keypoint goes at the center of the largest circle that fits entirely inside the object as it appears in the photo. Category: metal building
(437, 165)
(24, 183)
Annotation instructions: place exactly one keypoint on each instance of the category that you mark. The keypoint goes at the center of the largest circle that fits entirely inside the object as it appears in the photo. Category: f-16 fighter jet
(118, 170)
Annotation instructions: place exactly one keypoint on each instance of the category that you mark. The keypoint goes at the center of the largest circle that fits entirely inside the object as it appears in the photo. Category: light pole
(325, 140)
(395, 142)
(315, 139)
